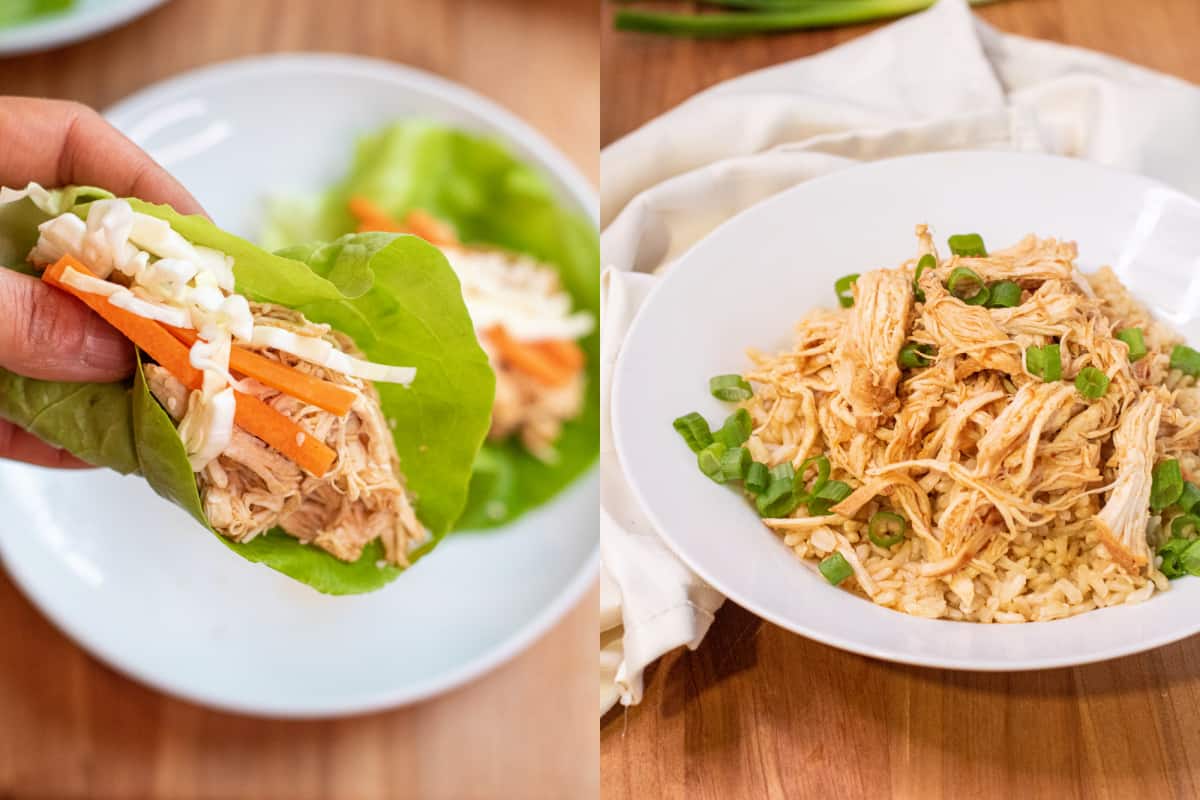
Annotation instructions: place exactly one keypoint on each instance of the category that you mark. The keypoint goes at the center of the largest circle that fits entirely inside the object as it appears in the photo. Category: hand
(45, 333)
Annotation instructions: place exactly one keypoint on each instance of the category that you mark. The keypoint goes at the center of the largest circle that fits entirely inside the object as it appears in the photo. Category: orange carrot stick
(306, 388)
(145, 333)
(563, 352)
(527, 358)
(252, 415)
(373, 218)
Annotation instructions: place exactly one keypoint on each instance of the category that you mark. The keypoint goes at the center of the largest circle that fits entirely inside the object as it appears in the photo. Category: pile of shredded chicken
(251, 488)
(972, 448)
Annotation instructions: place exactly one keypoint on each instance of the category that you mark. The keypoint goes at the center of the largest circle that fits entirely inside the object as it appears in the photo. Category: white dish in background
(747, 283)
(87, 18)
(135, 581)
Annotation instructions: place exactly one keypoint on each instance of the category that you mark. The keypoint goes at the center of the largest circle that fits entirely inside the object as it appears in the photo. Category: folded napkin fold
(939, 80)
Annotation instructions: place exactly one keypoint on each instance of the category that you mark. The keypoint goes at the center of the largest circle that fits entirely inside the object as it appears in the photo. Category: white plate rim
(557, 167)
(70, 27)
(824, 637)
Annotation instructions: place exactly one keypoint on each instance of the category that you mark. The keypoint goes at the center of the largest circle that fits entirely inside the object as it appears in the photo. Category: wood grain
(758, 712)
(644, 76)
(72, 728)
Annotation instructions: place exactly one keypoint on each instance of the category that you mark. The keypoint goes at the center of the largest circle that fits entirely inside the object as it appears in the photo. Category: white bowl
(751, 279)
(140, 585)
(86, 18)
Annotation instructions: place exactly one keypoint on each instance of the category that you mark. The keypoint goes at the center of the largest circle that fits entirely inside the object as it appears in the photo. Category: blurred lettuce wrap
(343, 466)
(498, 221)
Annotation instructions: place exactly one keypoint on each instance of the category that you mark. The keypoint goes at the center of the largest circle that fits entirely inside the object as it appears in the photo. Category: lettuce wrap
(491, 199)
(393, 295)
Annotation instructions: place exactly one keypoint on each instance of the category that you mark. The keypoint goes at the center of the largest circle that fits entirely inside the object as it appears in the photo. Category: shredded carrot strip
(417, 222)
(373, 218)
(527, 358)
(306, 388)
(562, 351)
(147, 334)
(253, 415)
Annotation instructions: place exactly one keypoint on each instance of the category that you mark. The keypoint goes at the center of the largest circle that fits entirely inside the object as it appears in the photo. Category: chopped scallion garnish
(694, 430)
(757, 478)
(887, 528)
(966, 285)
(829, 495)
(967, 244)
(736, 429)
(835, 568)
(1166, 484)
(822, 464)
(1044, 362)
(735, 462)
(730, 387)
(778, 500)
(914, 355)
(1170, 553)
(1091, 383)
(845, 294)
(783, 472)
(1185, 359)
(1004, 294)
(709, 461)
(1136, 342)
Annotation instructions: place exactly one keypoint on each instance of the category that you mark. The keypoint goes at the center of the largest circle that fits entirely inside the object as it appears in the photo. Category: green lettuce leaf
(403, 305)
(19, 12)
(492, 199)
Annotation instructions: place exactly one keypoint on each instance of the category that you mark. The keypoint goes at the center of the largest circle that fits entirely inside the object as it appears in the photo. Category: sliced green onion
(1170, 553)
(1166, 484)
(829, 495)
(926, 261)
(734, 463)
(1185, 526)
(1189, 497)
(887, 528)
(966, 285)
(784, 472)
(1051, 362)
(1185, 359)
(967, 244)
(730, 387)
(822, 464)
(835, 568)
(709, 461)
(735, 430)
(778, 500)
(1133, 338)
(914, 355)
(844, 294)
(1091, 383)
(757, 478)
(694, 430)
(1004, 294)
(1044, 362)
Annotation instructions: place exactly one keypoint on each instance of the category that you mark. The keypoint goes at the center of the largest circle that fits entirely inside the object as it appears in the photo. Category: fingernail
(104, 348)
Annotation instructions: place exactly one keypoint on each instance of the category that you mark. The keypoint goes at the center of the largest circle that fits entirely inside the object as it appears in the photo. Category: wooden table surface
(72, 728)
(758, 712)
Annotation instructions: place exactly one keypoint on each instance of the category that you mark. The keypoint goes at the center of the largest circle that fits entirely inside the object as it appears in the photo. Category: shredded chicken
(250, 488)
(867, 373)
(984, 459)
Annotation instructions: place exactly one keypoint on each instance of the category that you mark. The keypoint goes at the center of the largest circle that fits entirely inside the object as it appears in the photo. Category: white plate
(135, 581)
(86, 18)
(751, 279)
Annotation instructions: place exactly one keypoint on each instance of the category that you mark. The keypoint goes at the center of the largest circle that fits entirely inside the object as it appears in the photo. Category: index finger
(58, 143)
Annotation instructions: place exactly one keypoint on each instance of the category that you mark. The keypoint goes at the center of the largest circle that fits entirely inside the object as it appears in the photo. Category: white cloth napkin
(939, 80)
